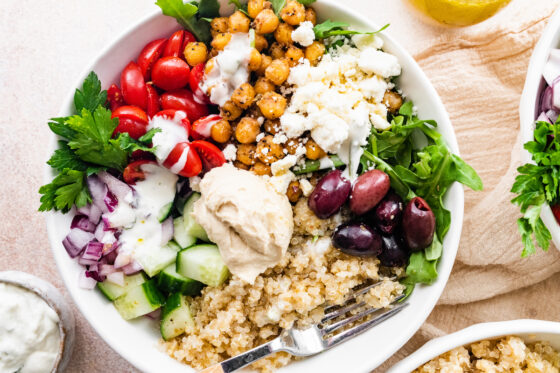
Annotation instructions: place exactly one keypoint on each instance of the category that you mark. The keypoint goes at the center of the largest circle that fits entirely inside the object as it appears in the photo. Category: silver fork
(317, 337)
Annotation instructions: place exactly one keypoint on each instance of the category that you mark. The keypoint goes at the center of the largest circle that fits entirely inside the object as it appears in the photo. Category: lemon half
(463, 12)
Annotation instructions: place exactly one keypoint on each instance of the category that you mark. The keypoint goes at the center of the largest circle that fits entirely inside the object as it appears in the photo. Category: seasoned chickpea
(255, 60)
(293, 55)
(313, 151)
(254, 7)
(221, 131)
(260, 42)
(264, 85)
(269, 152)
(213, 53)
(283, 34)
(254, 112)
(278, 71)
(293, 13)
(314, 52)
(276, 51)
(230, 111)
(294, 191)
(221, 40)
(393, 101)
(246, 154)
(272, 105)
(266, 22)
(272, 126)
(239, 22)
(209, 65)
(241, 165)
(219, 25)
(243, 96)
(195, 53)
(265, 62)
(311, 16)
(260, 168)
(292, 145)
(247, 130)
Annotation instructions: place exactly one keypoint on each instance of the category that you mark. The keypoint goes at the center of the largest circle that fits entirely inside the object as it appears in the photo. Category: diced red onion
(87, 262)
(110, 201)
(98, 191)
(110, 257)
(76, 241)
(92, 212)
(551, 69)
(546, 100)
(116, 278)
(106, 269)
(86, 282)
(552, 115)
(543, 117)
(82, 222)
(132, 268)
(122, 260)
(99, 232)
(95, 275)
(93, 251)
(166, 231)
(154, 315)
(121, 190)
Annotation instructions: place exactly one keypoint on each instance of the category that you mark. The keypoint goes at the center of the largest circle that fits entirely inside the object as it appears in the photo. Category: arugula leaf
(435, 250)
(91, 96)
(186, 15)
(420, 270)
(278, 5)
(209, 9)
(242, 7)
(333, 28)
(306, 2)
(66, 190)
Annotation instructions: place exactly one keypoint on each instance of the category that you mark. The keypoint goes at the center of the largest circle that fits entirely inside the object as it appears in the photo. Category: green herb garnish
(333, 28)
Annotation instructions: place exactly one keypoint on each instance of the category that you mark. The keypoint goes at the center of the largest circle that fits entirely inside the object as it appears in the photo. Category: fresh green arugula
(537, 184)
(333, 28)
(242, 7)
(278, 5)
(192, 16)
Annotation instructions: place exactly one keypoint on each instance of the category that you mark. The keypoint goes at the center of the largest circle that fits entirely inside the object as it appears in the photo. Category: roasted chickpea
(268, 151)
(393, 101)
(293, 13)
(254, 7)
(254, 112)
(283, 34)
(213, 53)
(255, 60)
(313, 151)
(272, 126)
(243, 96)
(264, 85)
(314, 52)
(265, 62)
(240, 165)
(230, 111)
(260, 42)
(209, 65)
(195, 53)
(221, 40)
(221, 131)
(293, 55)
(219, 25)
(266, 22)
(246, 154)
(294, 191)
(311, 16)
(239, 22)
(247, 130)
(272, 105)
(292, 145)
(278, 71)
(260, 168)
(276, 51)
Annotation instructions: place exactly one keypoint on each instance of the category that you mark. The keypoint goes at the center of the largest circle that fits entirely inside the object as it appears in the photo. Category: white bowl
(137, 341)
(528, 330)
(56, 301)
(528, 108)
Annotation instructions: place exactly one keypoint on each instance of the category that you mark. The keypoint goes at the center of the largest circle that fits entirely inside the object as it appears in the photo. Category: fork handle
(246, 358)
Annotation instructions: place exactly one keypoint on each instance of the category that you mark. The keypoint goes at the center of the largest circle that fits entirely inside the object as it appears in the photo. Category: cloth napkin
(479, 73)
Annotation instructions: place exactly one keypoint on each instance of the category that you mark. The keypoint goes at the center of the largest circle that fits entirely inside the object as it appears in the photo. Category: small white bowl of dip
(36, 325)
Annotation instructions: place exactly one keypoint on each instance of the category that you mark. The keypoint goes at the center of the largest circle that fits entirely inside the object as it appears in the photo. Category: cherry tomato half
(153, 101)
(134, 128)
(133, 172)
(197, 73)
(556, 212)
(114, 97)
(201, 129)
(149, 55)
(209, 153)
(174, 45)
(182, 99)
(133, 86)
(192, 165)
(170, 73)
(131, 112)
(171, 115)
(188, 37)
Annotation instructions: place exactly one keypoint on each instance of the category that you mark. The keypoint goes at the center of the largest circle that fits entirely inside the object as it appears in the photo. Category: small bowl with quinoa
(507, 346)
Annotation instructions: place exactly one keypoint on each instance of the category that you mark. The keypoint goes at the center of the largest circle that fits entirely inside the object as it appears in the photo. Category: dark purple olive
(419, 224)
(388, 213)
(330, 193)
(369, 189)
(394, 252)
(357, 239)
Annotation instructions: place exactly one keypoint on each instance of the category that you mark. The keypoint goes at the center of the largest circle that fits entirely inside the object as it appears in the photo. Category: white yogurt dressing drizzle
(170, 135)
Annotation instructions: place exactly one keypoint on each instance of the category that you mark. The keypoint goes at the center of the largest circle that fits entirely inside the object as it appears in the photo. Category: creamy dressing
(29, 332)
(172, 133)
(230, 69)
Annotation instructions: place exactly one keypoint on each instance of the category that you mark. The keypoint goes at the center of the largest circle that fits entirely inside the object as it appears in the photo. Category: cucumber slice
(176, 316)
(113, 291)
(191, 226)
(180, 234)
(139, 301)
(170, 282)
(203, 263)
(154, 259)
(164, 212)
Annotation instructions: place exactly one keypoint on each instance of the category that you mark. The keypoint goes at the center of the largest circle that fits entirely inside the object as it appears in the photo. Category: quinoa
(507, 354)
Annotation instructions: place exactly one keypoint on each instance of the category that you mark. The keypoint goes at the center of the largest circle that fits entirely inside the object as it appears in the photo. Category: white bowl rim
(450, 249)
(471, 334)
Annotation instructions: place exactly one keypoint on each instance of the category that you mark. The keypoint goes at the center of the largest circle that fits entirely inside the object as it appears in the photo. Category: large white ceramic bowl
(528, 108)
(528, 330)
(137, 341)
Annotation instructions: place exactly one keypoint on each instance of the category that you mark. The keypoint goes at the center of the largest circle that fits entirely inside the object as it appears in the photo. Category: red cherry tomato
(182, 99)
(556, 212)
(133, 86)
(209, 153)
(149, 55)
(153, 101)
(170, 73)
(197, 73)
(192, 165)
(188, 37)
(131, 112)
(201, 129)
(134, 128)
(114, 97)
(174, 45)
(170, 114)
(133, 172)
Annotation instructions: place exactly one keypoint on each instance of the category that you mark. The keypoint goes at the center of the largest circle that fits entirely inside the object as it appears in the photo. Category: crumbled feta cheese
(230, 152)
(194, 183)
(363, 41)
(380, 63)
(280, 138)
(306, 187)
(260, 120)
(260, 136)
(280, 183)
(304, 34)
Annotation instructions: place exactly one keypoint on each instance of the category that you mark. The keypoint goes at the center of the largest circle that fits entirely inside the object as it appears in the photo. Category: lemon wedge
(463, 12)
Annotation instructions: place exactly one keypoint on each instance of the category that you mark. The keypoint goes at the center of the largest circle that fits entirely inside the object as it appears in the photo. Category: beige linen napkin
(479, 73)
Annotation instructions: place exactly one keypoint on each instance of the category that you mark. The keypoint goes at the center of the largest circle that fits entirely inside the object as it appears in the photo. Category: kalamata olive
(330, 193)
(388, 213)
(419, 224)
(394, 253)
(357, 239)
(369, 189)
